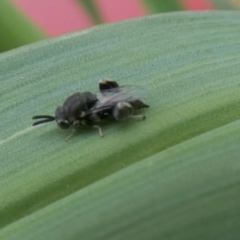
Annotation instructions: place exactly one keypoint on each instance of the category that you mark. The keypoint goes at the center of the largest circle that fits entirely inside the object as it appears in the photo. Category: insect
(120, 102)
(117, 102)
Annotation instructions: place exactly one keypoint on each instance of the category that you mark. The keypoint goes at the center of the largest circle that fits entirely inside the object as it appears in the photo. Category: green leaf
(16, 30)
(175, 175)
(189, 191)
(92, 10)
(163, 6)
(226, 4)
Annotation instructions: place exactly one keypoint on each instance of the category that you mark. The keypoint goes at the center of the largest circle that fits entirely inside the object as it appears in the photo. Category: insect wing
(120, 94)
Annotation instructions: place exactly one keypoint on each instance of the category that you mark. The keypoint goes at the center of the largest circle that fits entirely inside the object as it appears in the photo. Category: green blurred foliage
(163, 5)
(92, 10)
(16, 29)
(225, 4)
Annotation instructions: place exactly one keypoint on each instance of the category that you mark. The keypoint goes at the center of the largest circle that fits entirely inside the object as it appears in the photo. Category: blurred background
(26, 21)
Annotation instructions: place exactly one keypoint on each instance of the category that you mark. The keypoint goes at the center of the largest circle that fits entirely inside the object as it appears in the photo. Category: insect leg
(122, 110)
(138, 117)
(89, 124)
(99, 130)
(75, 126)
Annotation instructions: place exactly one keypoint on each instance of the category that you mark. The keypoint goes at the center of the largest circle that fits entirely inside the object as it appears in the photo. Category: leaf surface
(175, 175)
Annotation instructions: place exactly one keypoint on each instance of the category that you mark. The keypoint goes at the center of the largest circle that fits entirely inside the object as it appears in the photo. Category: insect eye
(63, 124)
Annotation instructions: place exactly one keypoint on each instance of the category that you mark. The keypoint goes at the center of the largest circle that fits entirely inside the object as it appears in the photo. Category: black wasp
(118, 102)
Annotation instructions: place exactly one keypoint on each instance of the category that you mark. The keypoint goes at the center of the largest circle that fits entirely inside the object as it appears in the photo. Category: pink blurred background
(56, 17)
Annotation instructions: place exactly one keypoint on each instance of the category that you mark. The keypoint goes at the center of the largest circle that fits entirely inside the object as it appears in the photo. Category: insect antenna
(45, 118)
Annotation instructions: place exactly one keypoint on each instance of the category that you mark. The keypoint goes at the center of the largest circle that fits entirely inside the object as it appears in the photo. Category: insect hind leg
(138, 117)
(124, 110)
